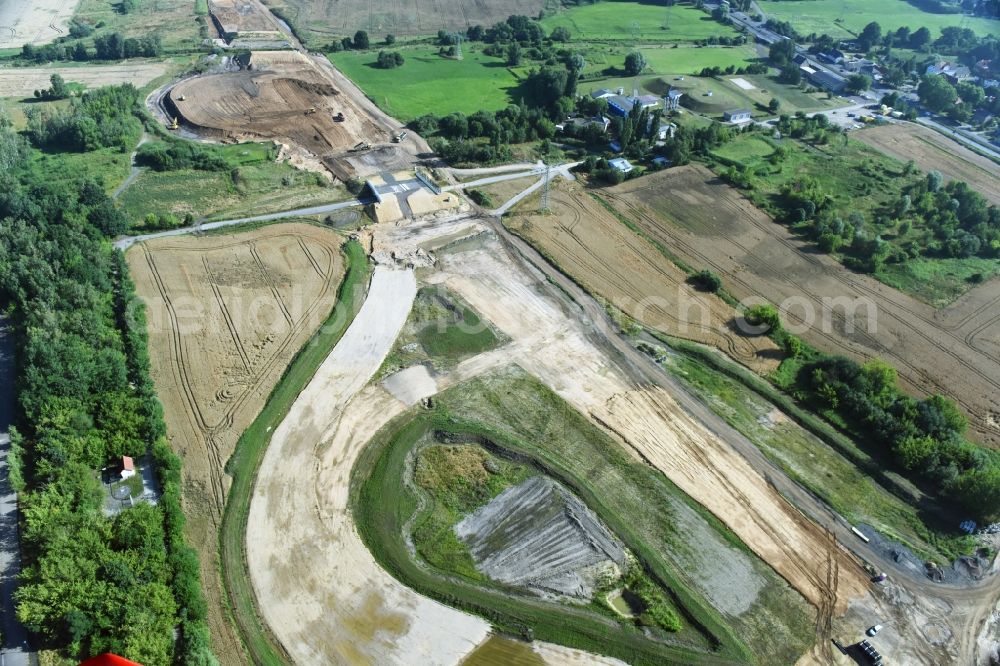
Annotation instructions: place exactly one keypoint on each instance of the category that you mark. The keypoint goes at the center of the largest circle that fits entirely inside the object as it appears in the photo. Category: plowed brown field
(598, 251)
(226, 315)
(952, 351)
(932, 151)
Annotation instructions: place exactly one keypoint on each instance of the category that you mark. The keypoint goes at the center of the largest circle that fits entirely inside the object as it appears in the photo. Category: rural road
(993, 153)
(557, 169)
(128, 241)
(13, 652)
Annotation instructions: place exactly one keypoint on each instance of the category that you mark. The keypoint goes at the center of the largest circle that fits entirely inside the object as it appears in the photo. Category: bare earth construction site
(298, 100)
(746, 557)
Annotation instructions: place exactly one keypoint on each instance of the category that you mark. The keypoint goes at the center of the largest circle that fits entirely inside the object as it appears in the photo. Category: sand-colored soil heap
(283, 96)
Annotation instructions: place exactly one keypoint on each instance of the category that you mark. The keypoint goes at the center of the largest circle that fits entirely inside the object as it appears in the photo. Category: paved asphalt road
(13, 652)
(127, 242)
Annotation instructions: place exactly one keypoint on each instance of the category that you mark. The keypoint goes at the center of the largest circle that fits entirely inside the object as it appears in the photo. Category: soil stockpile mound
(540, 536)
(283, 96)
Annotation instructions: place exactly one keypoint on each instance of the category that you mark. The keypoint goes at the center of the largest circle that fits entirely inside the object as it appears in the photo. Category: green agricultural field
(513, 415)
(843, 18)
(847, 479)
(429, 83)
(637, 22)
(173, 20)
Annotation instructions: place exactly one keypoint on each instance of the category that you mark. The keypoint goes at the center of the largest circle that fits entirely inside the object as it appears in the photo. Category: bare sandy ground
(24, 81)
(318, 587)
(33, 21)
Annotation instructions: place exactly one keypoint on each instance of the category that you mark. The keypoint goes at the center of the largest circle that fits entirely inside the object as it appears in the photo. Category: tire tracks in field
(212, 434)
(865, 341)
(716, 336)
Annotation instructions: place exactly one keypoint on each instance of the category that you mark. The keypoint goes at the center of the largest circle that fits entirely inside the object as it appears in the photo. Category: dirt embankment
(299, 100)
(953, 351)
(225, 316)
(932, 151)
(598, 251)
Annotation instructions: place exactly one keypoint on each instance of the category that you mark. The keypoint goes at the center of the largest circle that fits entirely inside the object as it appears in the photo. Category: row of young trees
(112, 46)
(90, 583)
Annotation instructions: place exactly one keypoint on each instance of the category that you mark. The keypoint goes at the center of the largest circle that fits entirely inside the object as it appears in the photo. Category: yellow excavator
(311, 110)
(173, 124)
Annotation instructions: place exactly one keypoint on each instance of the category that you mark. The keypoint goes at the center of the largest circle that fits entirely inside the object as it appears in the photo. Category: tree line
(90, 583)
(112, 46)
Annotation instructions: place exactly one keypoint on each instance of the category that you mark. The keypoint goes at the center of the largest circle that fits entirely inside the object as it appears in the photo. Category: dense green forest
(90, 583)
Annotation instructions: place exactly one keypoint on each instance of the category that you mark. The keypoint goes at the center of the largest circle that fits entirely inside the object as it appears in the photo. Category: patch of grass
(513, 412)
(173, 20)
(441, 330)
(692, 59)
(249, 452)
(754, 148)
(847, 18)
(726, 95)
(819, 457)
(938, 281)
(260, 186)
(429, 83)
(458, 479)
(109, 166)
(637, 21)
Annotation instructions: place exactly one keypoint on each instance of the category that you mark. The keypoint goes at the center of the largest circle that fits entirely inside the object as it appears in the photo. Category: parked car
(874, 630)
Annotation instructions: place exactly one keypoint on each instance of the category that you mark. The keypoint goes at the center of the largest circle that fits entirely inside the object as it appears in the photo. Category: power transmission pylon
(545, 188)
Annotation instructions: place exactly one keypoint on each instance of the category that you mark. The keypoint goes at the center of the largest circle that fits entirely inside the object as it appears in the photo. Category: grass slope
(250, 451)
(515, 413)
(824, 461)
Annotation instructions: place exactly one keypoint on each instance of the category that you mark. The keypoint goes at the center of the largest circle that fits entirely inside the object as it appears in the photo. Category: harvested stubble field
(586, 241)
(321, 19)
(226, 314)
(24, 81)
(933, 151)
(952, 351)
(33, 21)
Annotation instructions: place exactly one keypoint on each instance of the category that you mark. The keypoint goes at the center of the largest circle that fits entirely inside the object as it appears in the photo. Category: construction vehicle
(399, 137)
(339, 118)
(361, 146)
(173, 124)
(181, 98)
(311, 110)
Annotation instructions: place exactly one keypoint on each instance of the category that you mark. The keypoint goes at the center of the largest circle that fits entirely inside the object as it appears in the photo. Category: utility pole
(545, 188)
